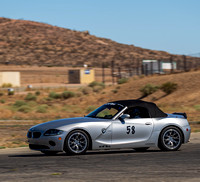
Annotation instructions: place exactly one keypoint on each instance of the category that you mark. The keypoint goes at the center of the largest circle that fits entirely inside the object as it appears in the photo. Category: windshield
(107, 111)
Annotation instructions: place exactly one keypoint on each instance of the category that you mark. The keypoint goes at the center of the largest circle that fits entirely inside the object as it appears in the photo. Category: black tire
(76, 143)
(142, 149)
(170, 139)
(49, 152)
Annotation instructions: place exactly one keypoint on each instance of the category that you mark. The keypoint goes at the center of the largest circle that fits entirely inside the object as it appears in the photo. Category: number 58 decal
(130, 130)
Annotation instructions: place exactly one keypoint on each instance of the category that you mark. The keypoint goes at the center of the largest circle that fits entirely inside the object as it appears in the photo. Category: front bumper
(47, 143)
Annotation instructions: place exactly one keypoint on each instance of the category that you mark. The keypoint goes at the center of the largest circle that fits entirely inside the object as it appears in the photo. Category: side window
(137, 112)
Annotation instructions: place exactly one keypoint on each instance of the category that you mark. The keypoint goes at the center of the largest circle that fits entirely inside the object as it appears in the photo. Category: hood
(61, 122)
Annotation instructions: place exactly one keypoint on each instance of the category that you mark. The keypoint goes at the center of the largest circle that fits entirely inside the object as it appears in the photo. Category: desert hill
(32, 43)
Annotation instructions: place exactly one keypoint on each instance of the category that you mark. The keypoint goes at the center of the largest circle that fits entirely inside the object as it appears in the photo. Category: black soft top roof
(154, 111)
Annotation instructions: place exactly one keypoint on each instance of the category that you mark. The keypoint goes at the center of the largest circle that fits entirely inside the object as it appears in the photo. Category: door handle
(148, 123)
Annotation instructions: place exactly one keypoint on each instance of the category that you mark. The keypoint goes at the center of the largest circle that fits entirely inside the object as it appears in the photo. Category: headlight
(53, 132)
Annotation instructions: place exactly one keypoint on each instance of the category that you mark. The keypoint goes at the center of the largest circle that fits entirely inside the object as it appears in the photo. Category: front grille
(34, 134)
(38, 147)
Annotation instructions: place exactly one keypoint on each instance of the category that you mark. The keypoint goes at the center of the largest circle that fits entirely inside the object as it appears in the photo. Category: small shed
(10, 77)
(81, 76)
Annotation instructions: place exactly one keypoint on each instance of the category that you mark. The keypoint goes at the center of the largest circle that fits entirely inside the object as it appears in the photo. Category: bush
(68, 94)
(94, 83)
(115, 91)
(79, 94)
(19, 103)
(122, 80)
(148, 89)
(11, 92)
(97, 88)
(6, 85)
(37, 93)
(42, 108)
(1, 94)
(24, 109)
(168, 87)
(30, 96)
(55, 95)
(86, 90)
(2, 101)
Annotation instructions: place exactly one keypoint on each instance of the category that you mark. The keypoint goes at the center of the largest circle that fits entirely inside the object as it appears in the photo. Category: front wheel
(77, 142)
(170, 139)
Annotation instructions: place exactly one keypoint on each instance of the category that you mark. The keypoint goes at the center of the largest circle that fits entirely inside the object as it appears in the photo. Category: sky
(167, 25)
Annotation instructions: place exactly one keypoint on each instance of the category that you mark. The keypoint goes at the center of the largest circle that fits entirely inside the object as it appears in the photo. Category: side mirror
(124, 116)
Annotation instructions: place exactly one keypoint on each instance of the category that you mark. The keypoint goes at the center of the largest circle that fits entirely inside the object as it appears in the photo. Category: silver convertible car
(120, 124)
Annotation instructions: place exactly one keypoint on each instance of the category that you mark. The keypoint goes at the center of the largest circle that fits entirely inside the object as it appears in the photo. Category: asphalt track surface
(21, 164)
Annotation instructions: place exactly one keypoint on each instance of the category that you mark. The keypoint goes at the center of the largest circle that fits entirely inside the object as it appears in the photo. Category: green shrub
(90, 109)
(168, 87)
(122, 80)
(68, 94)
(97, 88)
(19, 103)
(42, 108)
(148, 89)
(94, 83)
(30, 96)
(37, 93)
(2, 101)
(115, 91)
(32, 103)
(86, 90)
(6, 85)
(79, 94)
(197, 107)
(24, 109)
(55, 95)
(11, 92)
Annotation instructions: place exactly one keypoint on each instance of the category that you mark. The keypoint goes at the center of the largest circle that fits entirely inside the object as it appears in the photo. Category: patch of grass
(94, 84)
(24, 109)
(6, 85)
(197, 107)
(11, 92)
(19, 103)
(37, 93)
(122, 80)
(56, 174)
(30, 97)
(86, 90)
(2, 147)
(68, 94)
(42, 108)
(148, 89)
(168, 87)
(2, 101)
(115, 91)
(55, 95)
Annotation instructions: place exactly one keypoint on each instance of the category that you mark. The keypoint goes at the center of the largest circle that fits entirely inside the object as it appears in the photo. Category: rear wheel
(170, 139)
(142, 149)
(77, 142)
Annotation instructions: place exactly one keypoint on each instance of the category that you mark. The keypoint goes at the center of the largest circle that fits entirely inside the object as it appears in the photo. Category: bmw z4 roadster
(120, 124)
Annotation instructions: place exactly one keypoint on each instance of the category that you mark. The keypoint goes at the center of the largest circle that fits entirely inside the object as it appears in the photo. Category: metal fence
(148, 67)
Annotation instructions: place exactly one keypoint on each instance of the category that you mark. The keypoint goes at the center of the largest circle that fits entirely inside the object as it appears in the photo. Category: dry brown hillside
(33, 43)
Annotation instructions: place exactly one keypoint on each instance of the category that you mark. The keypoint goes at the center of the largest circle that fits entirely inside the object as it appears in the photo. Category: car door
(134, 130)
